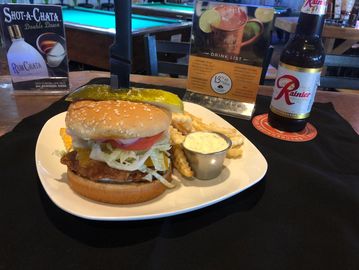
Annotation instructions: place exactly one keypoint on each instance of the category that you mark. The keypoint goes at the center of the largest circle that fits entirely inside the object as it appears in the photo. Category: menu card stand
(220, 105)
(228, 46)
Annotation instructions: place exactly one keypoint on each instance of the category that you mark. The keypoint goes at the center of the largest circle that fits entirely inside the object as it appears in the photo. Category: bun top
(115, 119)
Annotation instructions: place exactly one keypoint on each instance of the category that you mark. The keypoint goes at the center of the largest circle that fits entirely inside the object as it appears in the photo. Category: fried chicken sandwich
(120, 150)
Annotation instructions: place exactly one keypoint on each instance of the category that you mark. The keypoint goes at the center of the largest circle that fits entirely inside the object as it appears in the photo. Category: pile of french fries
(185, 123)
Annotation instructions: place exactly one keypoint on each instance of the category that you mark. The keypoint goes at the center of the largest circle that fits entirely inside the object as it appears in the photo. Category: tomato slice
(141, 144)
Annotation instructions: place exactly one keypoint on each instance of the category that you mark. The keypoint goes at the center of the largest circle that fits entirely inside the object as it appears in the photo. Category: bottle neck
(310, 25)
(17, 39)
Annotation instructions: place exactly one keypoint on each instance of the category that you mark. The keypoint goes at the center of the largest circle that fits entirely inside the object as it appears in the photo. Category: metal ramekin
(207, 166)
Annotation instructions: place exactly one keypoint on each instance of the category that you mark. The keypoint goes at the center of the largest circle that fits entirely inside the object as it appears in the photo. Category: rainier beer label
(294, 91)
(315, 7)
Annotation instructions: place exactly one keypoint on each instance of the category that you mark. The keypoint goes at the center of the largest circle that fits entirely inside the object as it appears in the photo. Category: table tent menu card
(229, 43)
(35, 43)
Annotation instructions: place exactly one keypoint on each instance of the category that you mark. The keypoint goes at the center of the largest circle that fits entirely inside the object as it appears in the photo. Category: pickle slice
(208, 18)
(155, 97)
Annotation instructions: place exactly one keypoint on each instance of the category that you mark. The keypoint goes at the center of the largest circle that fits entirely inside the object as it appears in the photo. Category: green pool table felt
(106, 19)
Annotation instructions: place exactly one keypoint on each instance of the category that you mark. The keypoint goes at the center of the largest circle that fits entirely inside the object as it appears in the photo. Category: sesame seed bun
(124, 193)
(115, 119)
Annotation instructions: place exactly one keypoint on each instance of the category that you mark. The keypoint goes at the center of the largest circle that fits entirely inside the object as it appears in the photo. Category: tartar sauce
(205, 142)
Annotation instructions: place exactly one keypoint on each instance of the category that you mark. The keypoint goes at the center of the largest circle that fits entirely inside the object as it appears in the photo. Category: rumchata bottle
(25, 62)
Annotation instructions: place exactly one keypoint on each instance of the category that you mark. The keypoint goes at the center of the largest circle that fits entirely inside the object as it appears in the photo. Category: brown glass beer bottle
(299, 70)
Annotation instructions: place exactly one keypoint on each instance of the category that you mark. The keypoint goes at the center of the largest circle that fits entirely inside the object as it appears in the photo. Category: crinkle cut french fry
(236, 140)
(194, 118)
(182, 122)
(180, 161)
(199, 126)
(176, 136)
(235, 152)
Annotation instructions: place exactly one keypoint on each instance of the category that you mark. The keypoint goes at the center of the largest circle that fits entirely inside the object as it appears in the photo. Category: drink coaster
(260, 122)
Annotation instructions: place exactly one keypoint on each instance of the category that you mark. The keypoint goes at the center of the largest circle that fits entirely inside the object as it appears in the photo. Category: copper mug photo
(227, 34)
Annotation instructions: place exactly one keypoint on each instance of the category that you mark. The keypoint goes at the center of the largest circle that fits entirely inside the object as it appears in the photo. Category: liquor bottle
(330, 9)
(25, 62)
(347, 6)
(337, 9)
(354, 15)
(299, 71)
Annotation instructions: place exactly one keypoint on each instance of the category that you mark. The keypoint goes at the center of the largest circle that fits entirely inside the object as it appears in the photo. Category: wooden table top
(289, 24)
(15, 107)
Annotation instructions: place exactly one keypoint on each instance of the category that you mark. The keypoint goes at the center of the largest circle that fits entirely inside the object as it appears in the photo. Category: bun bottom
(127, 193)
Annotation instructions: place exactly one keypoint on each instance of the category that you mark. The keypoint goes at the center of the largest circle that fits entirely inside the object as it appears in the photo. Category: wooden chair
(171, 50)
(336, 80)
(266, 62)
(155, 66)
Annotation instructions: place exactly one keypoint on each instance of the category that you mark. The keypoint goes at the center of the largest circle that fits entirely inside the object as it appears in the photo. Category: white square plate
(188, 195)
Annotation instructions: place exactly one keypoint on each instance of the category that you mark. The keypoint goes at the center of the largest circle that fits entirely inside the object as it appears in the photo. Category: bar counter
(15, 107)
(330, 34)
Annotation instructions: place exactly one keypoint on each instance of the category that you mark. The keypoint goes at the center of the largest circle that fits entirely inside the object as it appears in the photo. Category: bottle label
(294, 91)
(315, 7)
(25, 62)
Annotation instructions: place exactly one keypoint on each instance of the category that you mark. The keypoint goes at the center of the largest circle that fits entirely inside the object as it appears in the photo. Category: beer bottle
(299, 70)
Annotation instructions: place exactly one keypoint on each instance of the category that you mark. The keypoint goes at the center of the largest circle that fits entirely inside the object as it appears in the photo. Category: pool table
(180, 11)
(90, 33)
(169, 10)
(280, 10)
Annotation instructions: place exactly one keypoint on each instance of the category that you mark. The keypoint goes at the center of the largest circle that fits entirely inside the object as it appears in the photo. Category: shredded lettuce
(160, 178)
(135, 160)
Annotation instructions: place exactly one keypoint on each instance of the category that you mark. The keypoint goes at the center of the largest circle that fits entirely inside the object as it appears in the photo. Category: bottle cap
(11, 32)
(17, 31)
(14, 31)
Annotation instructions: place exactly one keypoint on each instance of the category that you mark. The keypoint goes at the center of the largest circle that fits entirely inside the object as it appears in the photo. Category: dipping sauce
(205, 142)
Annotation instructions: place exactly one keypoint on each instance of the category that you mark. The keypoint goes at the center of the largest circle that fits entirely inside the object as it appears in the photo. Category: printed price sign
(229, 44)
